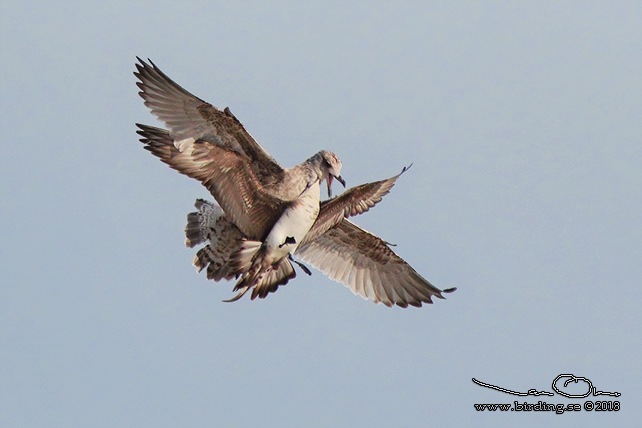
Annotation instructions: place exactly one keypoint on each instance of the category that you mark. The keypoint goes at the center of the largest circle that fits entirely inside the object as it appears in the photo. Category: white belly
(293, 225)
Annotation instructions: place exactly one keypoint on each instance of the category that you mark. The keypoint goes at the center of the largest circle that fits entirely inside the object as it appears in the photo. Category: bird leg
(303, 267)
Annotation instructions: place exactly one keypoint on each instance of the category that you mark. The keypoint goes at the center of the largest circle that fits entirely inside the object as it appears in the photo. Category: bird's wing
(187, 116)
(366, 264)
(225, 173)
(354, 201)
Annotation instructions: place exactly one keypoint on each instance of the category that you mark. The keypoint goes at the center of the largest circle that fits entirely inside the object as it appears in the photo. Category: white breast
(295, 222)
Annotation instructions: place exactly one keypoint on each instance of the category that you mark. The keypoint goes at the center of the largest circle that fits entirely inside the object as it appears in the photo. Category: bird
(271, 205)
(267, 214)
(240, 250)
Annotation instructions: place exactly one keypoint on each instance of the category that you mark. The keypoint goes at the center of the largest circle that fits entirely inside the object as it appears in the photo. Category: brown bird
(268, 213)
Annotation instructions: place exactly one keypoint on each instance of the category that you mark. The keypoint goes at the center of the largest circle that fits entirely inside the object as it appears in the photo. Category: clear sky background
(524, 124)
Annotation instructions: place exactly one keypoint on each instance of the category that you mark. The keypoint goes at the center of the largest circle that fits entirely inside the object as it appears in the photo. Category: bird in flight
(266, 214)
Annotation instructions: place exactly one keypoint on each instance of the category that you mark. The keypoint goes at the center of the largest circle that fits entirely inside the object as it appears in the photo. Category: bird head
(331, 168)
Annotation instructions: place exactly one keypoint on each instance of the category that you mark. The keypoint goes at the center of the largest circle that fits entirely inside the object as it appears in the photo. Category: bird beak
(339, 179)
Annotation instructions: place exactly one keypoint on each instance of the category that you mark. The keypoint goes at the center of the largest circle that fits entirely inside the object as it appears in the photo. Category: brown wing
(187, 116)
(366, 264)
(225, 173)
(354, 201)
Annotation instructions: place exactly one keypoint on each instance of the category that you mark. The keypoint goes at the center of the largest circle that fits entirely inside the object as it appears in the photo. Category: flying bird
(266, 214)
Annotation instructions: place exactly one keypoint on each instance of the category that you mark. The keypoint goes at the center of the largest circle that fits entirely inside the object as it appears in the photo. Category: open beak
(339, 179)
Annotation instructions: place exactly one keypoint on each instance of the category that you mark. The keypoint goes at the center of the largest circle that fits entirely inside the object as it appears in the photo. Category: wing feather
(367, 265)
(225, 174)
(354, 201)
(188, 116)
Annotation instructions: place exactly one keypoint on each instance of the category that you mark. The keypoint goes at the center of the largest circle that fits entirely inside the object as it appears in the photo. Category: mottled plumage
(268, 213)
(269, 204)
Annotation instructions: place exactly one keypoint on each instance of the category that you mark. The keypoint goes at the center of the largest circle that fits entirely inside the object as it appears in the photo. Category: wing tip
(418, 303)
(406, 168)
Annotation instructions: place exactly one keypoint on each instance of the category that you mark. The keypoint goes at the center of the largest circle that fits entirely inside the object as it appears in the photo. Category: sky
(523, 124)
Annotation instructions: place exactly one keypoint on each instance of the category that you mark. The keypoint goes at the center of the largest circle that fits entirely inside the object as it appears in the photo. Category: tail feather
(209, 224)
(229, 255)
(193, 231)
(200, 224)
(243, 259)
(271, 280)
(216, 268)
(266, 282)
(261, 279)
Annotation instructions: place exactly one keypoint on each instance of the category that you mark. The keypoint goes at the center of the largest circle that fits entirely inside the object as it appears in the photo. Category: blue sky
(523, 123)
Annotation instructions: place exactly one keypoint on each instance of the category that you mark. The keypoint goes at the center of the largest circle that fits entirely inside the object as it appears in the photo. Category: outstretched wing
(187, 116)
(354, 201)
(366, 264)
(225, 173)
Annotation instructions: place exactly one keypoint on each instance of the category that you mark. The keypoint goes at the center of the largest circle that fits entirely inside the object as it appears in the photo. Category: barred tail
(216, 269)
(210, 225)
(200, 223)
